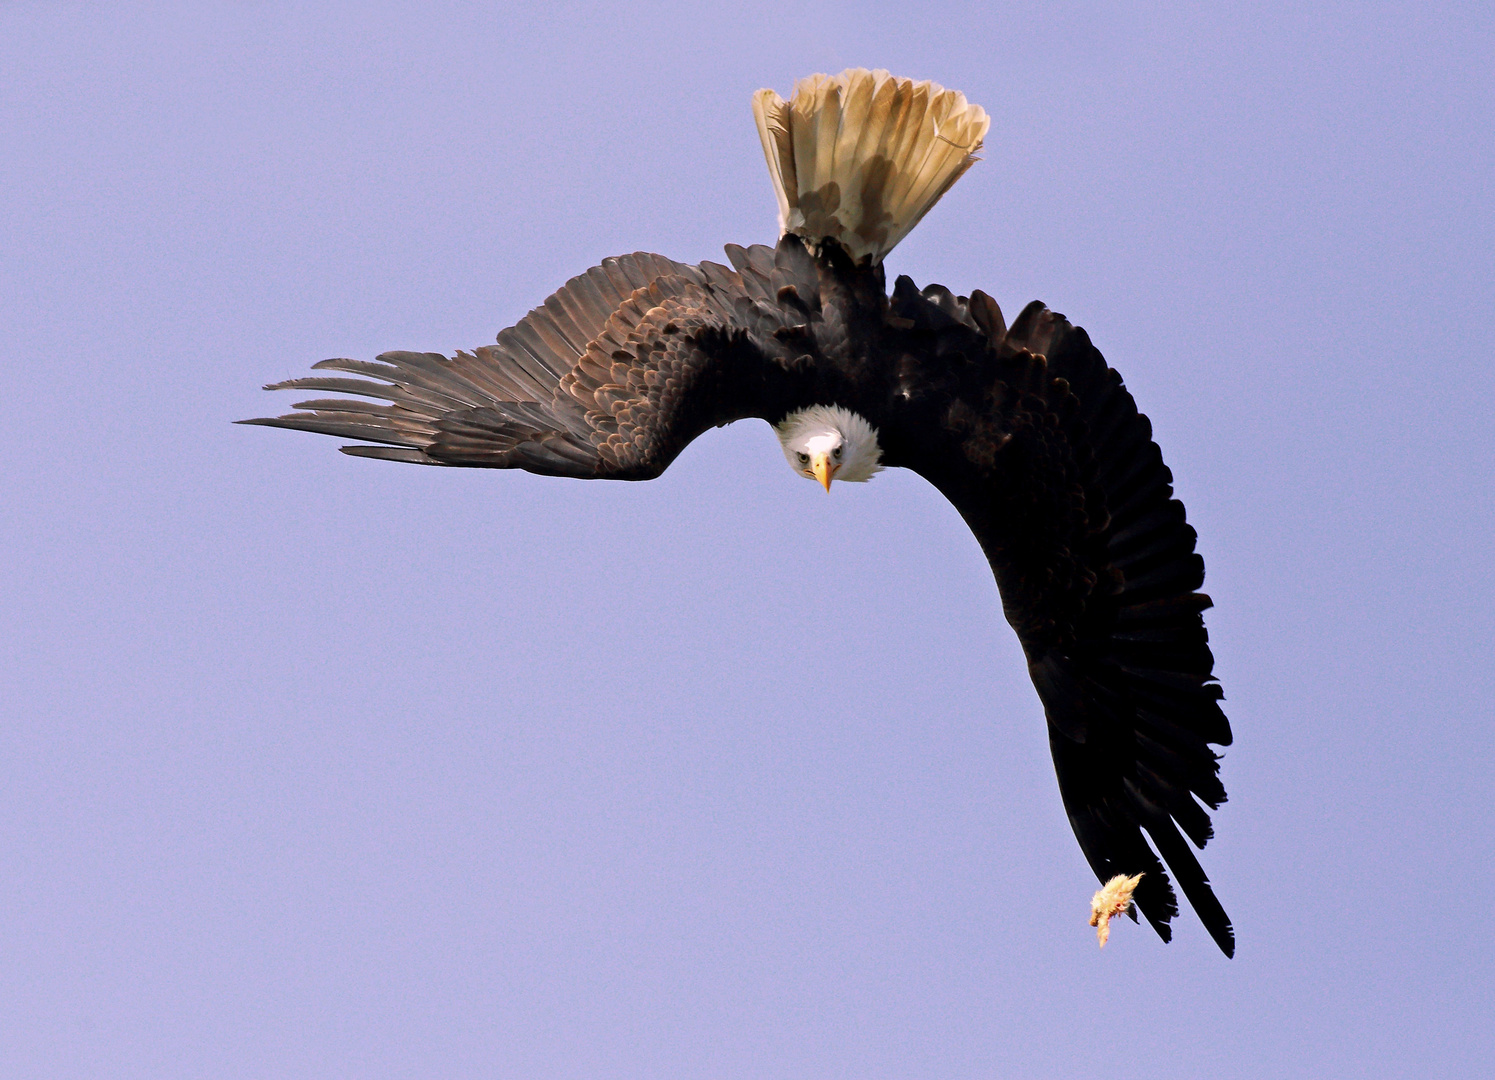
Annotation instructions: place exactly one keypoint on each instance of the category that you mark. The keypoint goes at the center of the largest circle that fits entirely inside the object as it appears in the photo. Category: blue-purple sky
(320, 767)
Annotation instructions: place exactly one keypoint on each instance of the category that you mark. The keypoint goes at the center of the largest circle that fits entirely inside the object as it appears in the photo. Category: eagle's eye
(836, 453)
(804, 459)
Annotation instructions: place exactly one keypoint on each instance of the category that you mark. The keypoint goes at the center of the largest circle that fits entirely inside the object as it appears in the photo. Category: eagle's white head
(827, 442)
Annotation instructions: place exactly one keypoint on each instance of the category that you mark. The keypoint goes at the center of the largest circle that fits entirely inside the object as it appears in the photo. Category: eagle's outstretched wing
(1028, 432)
(611, 377)
(1068, 495)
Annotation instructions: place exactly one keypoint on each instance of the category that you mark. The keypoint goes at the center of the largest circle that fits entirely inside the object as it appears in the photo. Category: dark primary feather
(1059, 478)
(1027, 431)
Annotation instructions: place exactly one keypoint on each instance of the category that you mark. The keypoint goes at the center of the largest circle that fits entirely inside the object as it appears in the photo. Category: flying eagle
(1024, 429)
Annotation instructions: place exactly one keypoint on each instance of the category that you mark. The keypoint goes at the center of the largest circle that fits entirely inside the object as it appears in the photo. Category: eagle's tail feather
(860, 157)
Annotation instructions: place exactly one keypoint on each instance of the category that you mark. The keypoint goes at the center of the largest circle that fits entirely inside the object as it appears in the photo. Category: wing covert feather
(610, 377)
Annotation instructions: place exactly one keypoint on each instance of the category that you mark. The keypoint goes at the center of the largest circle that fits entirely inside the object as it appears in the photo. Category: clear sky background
(320, 767)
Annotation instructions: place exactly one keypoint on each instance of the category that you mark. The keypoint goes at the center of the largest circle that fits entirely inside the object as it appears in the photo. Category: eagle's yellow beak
(824, 470)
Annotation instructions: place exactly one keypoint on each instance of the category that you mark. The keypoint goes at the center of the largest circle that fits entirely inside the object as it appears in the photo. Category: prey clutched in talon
(1111, 899)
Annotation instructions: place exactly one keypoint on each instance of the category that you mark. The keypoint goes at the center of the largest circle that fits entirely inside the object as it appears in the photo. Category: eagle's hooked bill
(1024, 429)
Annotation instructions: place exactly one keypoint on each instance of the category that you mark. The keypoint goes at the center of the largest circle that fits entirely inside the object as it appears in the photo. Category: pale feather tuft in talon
(1112, 899)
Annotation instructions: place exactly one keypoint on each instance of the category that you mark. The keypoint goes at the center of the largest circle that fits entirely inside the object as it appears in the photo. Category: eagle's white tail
(862, 156)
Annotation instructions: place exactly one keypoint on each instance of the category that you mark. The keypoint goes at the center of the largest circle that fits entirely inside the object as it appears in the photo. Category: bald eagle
(1024, 428)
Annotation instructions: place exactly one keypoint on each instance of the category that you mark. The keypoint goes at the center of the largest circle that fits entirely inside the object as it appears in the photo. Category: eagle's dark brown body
(1025, 430)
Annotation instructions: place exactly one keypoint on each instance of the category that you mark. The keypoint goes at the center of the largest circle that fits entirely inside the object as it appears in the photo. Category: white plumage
(841, 443)
(863, 155)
